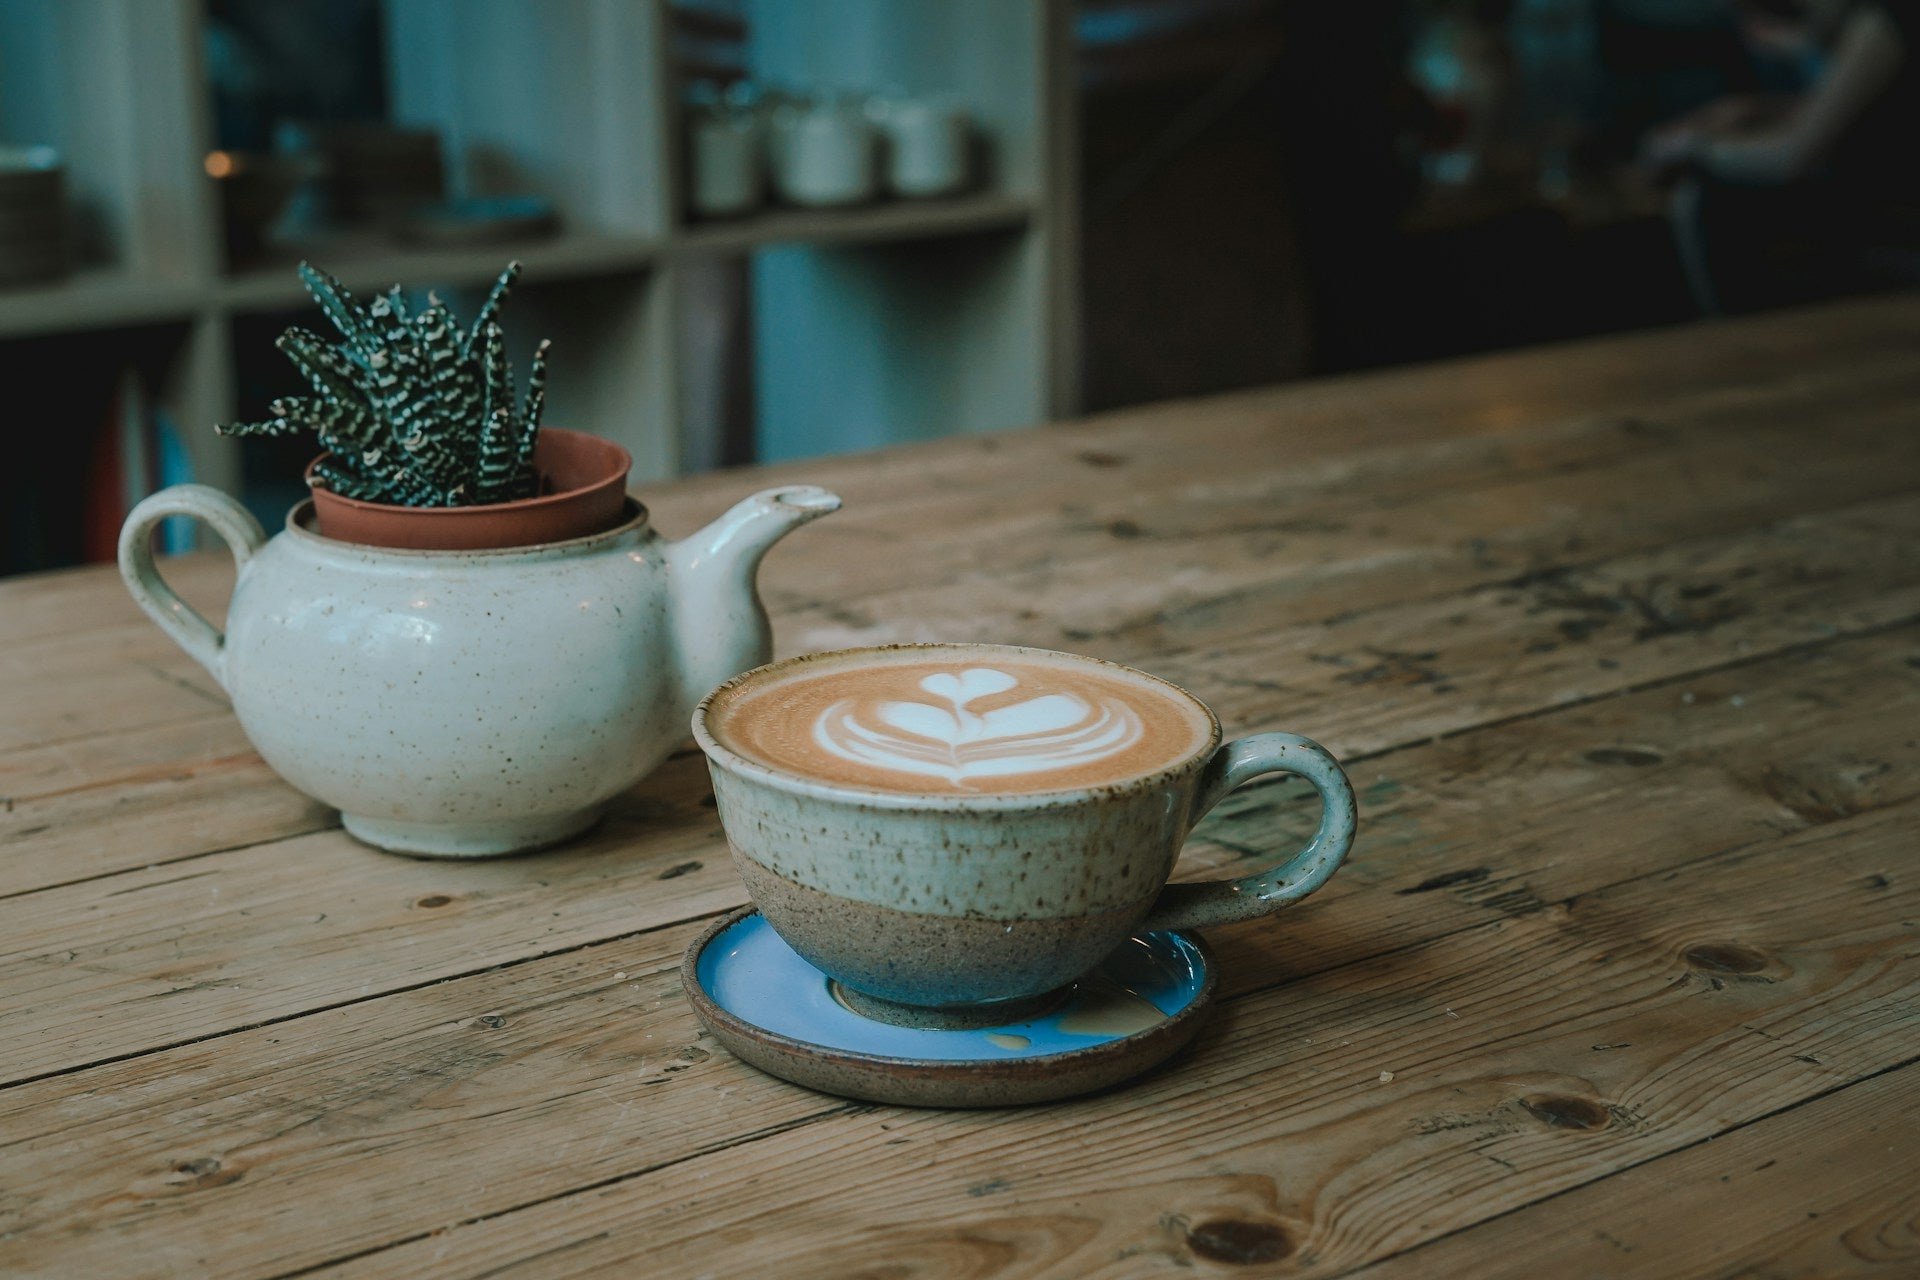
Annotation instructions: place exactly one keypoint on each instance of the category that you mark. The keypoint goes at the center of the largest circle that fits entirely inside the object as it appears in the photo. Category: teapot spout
(720, 626)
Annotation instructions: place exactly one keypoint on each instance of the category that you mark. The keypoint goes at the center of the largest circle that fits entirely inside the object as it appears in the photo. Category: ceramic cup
(825, 155)
(728, 161)
(927, 140)
(965, 907)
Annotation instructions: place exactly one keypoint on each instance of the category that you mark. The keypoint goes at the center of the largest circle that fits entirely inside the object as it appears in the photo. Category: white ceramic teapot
(471, 703)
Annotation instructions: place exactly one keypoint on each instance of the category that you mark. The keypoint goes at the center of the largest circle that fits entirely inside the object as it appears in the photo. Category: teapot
(463, 704)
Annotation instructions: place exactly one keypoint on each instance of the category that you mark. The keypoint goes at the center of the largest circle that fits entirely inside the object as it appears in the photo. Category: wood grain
(70, 602)
(1621, 640)
(77, 984)
(1215, 559)
(1128, 569)
(95, 682)
(143, 798)
(579, 1054)
(1151, 615)
(1488, 397)
(1522, 1058)
(1826, 1188)
(1316, 500)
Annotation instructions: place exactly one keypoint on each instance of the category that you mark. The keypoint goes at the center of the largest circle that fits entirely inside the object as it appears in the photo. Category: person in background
(1822, 174)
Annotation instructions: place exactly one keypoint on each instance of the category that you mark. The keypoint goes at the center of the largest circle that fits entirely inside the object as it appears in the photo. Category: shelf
(366, 268)
(902, 220)
(111, 299)
(92, 300)
(670, 335)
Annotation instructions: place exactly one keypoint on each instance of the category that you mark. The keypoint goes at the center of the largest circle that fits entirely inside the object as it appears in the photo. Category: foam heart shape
(974, 682)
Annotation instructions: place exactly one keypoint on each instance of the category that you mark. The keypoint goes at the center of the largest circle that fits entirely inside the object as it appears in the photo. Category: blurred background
(776, 229)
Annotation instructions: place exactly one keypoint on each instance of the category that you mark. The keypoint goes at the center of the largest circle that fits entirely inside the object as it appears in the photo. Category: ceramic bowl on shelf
(34, 246)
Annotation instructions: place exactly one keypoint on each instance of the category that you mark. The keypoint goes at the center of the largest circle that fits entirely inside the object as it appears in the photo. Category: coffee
(947, 720)
(967, 829)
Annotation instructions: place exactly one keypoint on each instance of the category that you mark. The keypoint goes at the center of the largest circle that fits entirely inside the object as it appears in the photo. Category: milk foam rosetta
(977, 723)
(943, 735)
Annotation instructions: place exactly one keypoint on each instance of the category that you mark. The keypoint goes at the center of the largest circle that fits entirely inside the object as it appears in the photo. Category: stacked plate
(33, 216)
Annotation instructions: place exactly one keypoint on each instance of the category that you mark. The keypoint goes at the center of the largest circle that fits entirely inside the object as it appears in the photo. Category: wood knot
(1560, 1111)
(1723, 957)
(202, 1174)
(1633, 757)
(492, 1021)
(1242, 1244)
(432, 900)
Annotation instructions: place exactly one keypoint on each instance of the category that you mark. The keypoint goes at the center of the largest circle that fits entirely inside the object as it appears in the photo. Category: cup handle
(1193, 906)
(243, 535)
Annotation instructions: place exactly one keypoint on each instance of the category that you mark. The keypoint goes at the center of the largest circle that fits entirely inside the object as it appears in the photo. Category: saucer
(772, 1009)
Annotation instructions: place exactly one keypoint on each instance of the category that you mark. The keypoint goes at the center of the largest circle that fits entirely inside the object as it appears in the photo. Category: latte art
(960, 719)
(944, 737)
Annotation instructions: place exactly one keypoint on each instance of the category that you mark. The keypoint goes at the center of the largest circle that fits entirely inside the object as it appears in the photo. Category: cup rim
(795, 783)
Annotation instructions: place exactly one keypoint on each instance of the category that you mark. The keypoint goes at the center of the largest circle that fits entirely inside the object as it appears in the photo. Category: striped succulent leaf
(279, 426)
(530, 412)
(491, 307)
(348, 484)
(497, 379)
(447, 406)
(343, 428)
(435, 459)
(335, 377)
(414, 489)
(410, 409)
(446, 376)
(338, 304)
(396, 365)
(536, 401)
(499, 456)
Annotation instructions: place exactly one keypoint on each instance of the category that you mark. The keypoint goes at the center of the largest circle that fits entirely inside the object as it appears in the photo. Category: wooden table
(1620, 642)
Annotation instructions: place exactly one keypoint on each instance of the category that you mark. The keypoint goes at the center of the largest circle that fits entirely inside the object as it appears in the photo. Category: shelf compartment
(859, 347)
(106, 83)
(556, 98)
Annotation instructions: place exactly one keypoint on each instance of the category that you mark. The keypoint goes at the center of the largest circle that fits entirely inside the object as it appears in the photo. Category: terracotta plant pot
(583, 491)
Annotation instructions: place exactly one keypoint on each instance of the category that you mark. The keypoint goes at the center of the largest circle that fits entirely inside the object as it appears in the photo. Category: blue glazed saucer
(772, 1009)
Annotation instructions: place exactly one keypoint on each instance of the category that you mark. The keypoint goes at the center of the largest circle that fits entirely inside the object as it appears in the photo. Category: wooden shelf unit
(894, 321)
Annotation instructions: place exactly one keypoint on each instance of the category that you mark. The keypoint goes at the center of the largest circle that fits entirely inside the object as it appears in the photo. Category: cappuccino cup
(954, 833)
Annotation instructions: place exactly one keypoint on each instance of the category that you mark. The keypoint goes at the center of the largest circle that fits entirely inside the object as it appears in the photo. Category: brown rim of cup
(795, 783)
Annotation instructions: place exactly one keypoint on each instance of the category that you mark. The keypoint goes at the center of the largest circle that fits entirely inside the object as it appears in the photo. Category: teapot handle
(203, 641)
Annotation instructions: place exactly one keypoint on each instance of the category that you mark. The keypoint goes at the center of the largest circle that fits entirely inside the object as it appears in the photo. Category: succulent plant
(412, 410)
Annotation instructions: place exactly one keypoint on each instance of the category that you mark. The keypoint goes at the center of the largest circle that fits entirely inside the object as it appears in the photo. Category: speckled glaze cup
(968, 909)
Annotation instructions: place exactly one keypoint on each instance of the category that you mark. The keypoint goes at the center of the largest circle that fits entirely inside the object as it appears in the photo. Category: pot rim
(485, 508)
(301, 519)
(586, 474)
